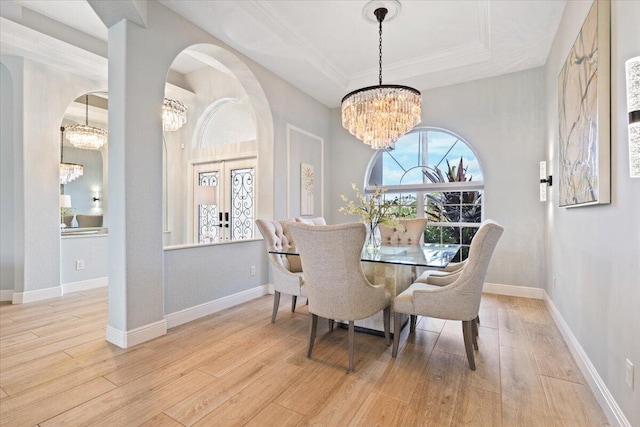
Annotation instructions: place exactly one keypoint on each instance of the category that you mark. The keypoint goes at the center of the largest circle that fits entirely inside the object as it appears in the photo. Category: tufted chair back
(275, 238)
(411, 235)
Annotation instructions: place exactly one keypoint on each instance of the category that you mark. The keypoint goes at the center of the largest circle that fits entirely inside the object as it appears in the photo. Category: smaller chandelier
(174, 115)
(85, 136)
(379, 115)
(68, 171)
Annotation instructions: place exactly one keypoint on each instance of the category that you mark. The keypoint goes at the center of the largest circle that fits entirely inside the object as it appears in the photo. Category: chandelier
(68, 171)
(174, 115)
(85, 136)
(379, 115)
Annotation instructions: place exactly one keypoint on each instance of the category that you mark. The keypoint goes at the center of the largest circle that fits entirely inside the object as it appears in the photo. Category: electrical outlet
(629, 374)
(252, 270)
(80, 264)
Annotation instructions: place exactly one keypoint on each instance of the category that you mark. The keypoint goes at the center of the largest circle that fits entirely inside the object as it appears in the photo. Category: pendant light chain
(379, 115)
(380, 50)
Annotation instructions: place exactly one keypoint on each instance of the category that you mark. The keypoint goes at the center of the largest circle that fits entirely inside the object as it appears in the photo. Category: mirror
(83, 166)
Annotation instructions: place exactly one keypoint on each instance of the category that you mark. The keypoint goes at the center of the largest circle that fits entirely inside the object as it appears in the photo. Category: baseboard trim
(6, 295)
(514, 291)
(192, 313)
(126, 339)
(84, 285)
(608, 404)
(33, 296)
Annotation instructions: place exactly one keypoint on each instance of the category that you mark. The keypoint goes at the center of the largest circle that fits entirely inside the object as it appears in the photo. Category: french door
(232, 217)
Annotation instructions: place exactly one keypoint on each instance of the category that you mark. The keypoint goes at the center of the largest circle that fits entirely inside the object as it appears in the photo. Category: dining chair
(336, 285)
(312, 221)
(411, 232)
(286, 278)
(455, 296)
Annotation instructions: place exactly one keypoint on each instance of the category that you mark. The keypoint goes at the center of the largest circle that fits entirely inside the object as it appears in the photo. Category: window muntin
(424, 173)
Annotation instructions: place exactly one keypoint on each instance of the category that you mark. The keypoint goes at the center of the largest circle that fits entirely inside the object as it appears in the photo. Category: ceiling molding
(16, 39)
(458, 56)
(263, 11)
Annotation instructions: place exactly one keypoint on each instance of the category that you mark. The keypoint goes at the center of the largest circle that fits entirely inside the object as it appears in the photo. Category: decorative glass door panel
(208, 221)
(242, 203)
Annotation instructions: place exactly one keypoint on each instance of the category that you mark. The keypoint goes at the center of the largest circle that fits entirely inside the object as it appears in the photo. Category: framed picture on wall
(306, 189)
(584, 114)
(305, 166)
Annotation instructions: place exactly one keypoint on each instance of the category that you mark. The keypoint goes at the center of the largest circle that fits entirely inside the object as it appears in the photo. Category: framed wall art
(584, 114)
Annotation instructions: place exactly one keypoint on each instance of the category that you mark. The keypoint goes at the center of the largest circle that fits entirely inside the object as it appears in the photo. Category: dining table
(395, 267)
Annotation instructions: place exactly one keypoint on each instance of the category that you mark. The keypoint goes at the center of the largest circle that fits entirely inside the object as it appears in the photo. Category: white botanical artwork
(306, 189)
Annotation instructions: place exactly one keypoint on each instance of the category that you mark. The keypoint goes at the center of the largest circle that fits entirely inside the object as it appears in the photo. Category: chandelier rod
(380, 14)
(86, 109)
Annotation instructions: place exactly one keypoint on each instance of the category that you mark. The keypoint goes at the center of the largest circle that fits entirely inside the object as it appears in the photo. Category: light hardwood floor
(236, 368)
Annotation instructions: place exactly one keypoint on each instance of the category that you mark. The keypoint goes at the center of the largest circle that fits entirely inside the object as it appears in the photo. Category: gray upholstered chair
(455, 296)
(336, 285)
(411, 232)
(286, 279)
(85, 221)
(312, 221)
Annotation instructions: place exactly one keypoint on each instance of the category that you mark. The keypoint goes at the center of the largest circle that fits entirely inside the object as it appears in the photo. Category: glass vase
(374, 239)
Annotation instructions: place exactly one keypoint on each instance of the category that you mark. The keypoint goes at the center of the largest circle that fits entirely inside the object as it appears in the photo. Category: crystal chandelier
(68, 171)
(379, 115)
(174, 115)
(85, 136)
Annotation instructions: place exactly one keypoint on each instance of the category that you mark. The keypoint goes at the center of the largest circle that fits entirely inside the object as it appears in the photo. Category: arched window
(435, 174)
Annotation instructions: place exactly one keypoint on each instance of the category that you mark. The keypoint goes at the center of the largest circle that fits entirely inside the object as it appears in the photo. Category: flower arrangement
(373, 212)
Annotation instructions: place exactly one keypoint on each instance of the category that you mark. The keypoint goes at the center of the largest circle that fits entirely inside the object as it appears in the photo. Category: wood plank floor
(236, 368)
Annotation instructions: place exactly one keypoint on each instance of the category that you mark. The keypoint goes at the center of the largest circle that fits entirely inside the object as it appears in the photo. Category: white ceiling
(326, 47)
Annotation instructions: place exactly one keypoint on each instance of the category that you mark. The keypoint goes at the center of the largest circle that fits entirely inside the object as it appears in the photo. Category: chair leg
(396, 333)
(293, 303)
(352, 334)
(276, 303)
(331, 323)
(414, 320)
(474, 333)
(386, 314)
(313, 326)
(467, 332)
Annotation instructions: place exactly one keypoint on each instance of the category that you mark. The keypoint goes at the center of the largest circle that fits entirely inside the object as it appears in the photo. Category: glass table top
(432, 255)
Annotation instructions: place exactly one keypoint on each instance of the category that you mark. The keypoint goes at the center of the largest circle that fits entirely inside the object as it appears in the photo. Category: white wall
(6, 181)
(40, 97)
(593, 277)
(502, 119)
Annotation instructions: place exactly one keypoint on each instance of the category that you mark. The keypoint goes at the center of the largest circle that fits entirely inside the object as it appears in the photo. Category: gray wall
(502, 119)
(593, 276)
(93, 250)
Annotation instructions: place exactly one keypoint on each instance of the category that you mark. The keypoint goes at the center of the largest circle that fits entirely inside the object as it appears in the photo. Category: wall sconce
(633, 107)
(544, 181)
